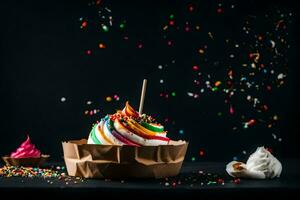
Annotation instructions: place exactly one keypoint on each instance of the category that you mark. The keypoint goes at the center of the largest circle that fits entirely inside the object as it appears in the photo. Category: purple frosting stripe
(120, 137)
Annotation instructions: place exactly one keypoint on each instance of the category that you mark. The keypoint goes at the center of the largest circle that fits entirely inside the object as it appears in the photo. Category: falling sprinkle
(195, 68)
(83, 24)
(191, 8)
(122, 26)
(231, 110)
(190, 94)
(171, 22)
(107, 9)
(219, 10)
(280, 76)
(218, 83)
(201, 153)
(108, 99)
(102, 46)
(63, 99)
(254, 56)
(105, 28)
(210, 35)
(251, 122)
(187, 29)
(214, 89)
(140, 45)
(272, 43)
(201, 51)
(116, 97)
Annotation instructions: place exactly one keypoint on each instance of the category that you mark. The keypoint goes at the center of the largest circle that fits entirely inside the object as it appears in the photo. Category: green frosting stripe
(93, 135)
(152, 128)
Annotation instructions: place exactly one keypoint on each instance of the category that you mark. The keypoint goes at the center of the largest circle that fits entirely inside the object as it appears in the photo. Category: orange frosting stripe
(141, 128)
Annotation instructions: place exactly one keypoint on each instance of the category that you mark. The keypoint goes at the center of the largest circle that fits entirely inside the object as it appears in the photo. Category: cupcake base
(26, 162)
(111, 161)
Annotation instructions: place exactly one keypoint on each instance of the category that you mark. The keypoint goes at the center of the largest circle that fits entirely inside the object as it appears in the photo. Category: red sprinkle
(84, 24)
(195, 68)
(191, 8)
(237, 181)
(201, 153)
(251, 122)
(140, 46)
(219, 10)
(88, 52)
(231, 110)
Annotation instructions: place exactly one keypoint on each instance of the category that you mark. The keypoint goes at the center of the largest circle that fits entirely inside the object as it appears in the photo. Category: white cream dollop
(260, 165)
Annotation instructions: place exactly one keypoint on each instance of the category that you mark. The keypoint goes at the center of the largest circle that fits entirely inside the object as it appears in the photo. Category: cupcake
(26, 155)
(127, 127)
(125, 144)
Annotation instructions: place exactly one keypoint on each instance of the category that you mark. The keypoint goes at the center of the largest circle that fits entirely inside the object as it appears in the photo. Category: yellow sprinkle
(108, 99)
(201, 51)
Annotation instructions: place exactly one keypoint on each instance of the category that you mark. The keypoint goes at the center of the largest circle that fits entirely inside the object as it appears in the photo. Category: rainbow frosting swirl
(26, 150)
(127, 127)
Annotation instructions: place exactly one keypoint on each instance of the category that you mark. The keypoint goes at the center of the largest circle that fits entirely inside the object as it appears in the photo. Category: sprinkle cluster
(54, 173)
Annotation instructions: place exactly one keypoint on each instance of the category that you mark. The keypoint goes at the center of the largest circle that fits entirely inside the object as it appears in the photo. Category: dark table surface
(196, 178)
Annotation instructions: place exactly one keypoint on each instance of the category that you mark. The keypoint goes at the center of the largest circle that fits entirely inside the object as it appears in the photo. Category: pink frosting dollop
(26, 150)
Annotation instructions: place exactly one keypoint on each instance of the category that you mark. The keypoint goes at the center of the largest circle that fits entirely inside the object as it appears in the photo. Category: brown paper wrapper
(111, 161)
(26, 162)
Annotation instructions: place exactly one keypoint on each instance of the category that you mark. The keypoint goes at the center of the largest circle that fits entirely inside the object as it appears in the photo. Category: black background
(42, 59)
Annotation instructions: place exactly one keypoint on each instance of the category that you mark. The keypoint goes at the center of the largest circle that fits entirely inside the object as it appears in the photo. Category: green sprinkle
(105, 28)
(214, 89)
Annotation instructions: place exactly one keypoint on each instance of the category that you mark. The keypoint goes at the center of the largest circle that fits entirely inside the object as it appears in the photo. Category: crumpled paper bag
(111, 161)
